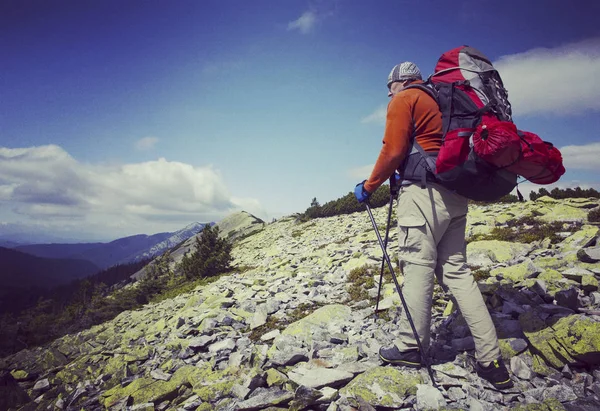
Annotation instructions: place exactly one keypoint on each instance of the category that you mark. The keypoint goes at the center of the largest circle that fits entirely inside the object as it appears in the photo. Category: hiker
(431, 230)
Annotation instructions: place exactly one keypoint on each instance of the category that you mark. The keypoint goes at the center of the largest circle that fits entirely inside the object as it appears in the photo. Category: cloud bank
(46, 184)
(561, 80)
(581, 157)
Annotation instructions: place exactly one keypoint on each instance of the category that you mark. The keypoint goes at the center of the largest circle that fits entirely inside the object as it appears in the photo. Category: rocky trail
(285, 332)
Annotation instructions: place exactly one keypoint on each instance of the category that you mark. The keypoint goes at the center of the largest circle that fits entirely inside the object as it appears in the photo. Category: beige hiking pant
(431, 233)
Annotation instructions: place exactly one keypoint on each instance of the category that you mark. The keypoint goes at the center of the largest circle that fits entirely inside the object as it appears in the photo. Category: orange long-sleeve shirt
(410, 111)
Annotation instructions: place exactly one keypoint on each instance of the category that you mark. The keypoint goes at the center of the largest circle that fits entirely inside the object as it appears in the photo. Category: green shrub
(345, 205)
(560, 193)
(211, 257)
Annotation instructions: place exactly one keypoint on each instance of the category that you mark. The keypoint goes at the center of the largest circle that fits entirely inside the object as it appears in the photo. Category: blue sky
(119, 118)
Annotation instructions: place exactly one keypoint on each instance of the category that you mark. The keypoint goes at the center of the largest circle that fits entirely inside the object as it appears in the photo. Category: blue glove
(360, 193)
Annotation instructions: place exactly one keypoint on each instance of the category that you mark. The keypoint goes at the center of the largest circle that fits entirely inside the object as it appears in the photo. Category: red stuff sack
(541, 162)
(497, 142)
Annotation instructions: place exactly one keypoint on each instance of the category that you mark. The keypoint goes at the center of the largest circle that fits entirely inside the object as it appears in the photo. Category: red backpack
(482, 151)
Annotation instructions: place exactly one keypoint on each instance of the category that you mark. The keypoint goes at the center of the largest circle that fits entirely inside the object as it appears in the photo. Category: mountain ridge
(286, 330)
(122, 250)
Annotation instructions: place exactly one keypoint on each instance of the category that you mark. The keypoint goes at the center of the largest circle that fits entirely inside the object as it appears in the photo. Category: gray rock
(338, 338)
(576, 273)
(519, 345)
(41, 386)
(562, 393)
(305, 397)
(200, 343)
(589, 255)
(429, 398)
(225, 345)
(260, 317)
(240, 391)
(272, 306)
(319, 377)
(265, 397)
(520, 368)
(583, 404)
(463, 344)
(270, 335)
(148, 406)
(289, 357)
(159, 374)
(451, 370)
(455, 394)
(511, 308)
(568, 298)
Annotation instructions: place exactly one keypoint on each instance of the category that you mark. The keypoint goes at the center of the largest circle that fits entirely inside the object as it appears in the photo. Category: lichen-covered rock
(580, 239)
(384, 386)
(143, 390)
(517, 272)
(487, 252)
(330, 314)
(572, 340)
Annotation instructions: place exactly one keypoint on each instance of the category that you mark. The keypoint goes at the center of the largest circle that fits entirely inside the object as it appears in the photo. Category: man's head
(401, 75)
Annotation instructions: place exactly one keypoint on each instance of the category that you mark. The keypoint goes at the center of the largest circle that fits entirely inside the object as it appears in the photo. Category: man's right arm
(396, 141)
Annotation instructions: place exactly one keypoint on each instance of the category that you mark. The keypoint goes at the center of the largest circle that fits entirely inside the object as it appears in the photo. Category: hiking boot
(496, 373)
(393, 355)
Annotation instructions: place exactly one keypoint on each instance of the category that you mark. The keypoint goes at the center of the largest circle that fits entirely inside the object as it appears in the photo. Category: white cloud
(361, 173)
(377, 117)
(305, 23)
(561, 80)
(581, 157)
(46, 183)
(146, 143)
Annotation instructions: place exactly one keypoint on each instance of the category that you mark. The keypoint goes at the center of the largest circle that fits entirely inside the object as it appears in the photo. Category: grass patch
(360, 280)
(526, 230)
(182, 286)
(280, 324)
(480, 274)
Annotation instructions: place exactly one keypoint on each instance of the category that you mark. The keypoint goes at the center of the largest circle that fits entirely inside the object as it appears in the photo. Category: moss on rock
(517, 272)
(572, 340)
(383, 386)
(303, 329)
(143, 390)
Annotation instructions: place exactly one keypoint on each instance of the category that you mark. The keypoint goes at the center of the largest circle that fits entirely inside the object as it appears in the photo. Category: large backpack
(482, 150)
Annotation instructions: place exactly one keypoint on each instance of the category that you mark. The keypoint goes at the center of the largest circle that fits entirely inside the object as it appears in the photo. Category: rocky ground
(285, 333)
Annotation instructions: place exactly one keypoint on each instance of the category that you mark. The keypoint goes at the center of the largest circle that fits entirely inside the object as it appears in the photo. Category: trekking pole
(393, 194)
(408, 316)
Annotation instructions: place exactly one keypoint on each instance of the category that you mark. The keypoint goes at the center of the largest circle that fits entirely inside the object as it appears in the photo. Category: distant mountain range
(24, 270)
(122, 250)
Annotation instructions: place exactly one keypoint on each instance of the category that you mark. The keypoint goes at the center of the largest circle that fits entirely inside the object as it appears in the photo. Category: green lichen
(506, 350)
(143, 390)
(19, 375)
(517, 272)
(275, 377)
(589, 283)
(138, 354)
(570, 340)
(329, 314)
(551, 404)
(383, 386)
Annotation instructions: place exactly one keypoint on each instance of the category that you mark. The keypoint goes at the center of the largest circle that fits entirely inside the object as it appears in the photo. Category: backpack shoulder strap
(427, 87)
